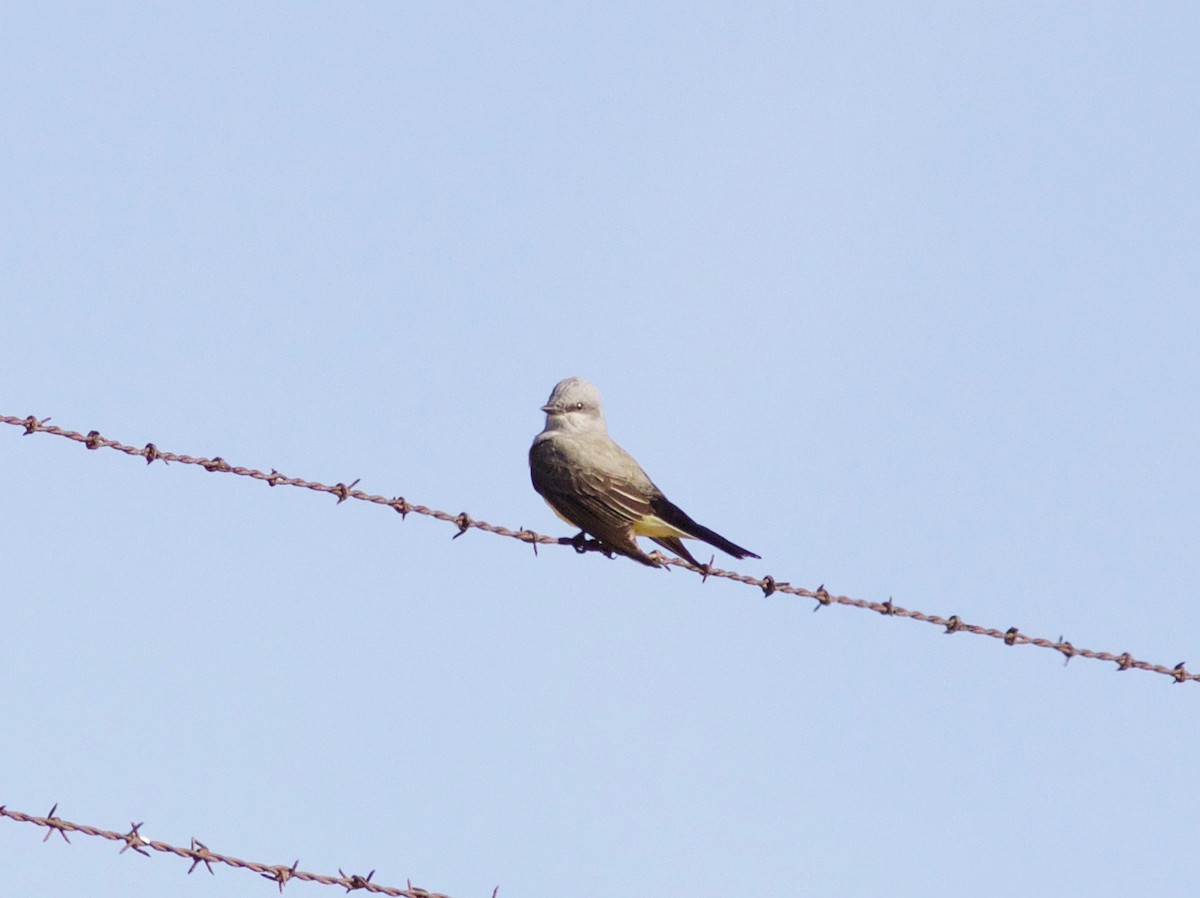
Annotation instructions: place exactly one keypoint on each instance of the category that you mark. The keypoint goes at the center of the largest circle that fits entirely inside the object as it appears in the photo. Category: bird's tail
(677, 517)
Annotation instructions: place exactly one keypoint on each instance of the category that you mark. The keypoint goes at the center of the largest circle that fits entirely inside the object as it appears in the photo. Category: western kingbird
(592, 483)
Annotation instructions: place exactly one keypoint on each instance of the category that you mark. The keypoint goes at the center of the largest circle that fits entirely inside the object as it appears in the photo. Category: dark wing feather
(589, 500)
(675, 544)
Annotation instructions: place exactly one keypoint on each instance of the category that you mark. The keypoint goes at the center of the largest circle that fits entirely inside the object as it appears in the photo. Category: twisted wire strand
(199, 853)
(464, 522)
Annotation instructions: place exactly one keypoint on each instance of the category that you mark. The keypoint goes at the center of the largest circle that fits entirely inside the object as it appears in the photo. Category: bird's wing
(586, 493)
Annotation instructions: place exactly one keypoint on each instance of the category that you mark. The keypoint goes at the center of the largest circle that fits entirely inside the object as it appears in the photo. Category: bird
(593, 484)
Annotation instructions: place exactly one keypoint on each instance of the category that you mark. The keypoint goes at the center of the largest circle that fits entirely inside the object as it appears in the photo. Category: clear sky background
(905, 300)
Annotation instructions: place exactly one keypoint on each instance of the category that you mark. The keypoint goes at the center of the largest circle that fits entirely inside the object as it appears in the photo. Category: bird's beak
(547, 409)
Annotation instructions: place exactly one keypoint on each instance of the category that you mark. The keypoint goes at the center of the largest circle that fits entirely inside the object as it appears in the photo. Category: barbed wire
(464, 522)
(199, 853)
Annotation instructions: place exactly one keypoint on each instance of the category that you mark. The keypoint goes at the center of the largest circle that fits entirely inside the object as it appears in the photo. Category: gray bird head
(574, 404)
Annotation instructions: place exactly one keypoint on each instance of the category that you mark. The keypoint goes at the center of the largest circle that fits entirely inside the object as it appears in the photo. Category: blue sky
(904, 300)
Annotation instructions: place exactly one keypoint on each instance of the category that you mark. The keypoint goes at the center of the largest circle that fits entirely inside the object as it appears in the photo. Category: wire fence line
(464, 522)
(199, 853)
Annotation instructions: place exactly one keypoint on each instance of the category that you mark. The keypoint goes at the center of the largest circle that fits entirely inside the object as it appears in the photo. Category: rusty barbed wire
(464, 522)
(199, 853)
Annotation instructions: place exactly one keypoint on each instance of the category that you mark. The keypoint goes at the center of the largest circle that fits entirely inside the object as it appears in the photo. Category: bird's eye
(579, 406)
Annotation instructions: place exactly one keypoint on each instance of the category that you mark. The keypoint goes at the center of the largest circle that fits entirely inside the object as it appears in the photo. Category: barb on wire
(464, 522)
(199, 853)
